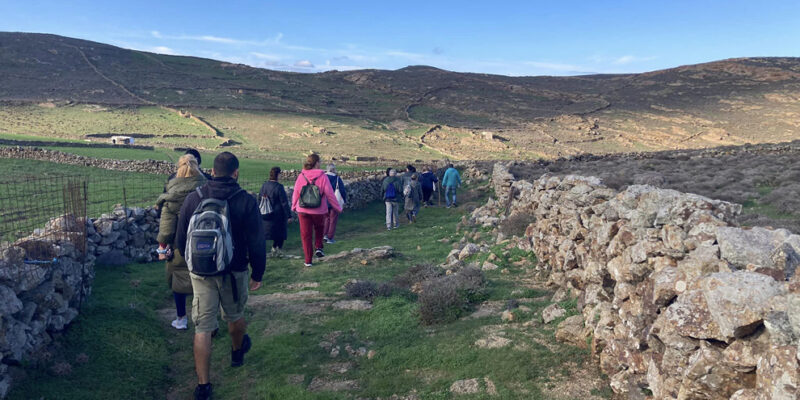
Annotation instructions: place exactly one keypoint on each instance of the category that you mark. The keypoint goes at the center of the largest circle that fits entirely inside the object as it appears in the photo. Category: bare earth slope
(727, 102)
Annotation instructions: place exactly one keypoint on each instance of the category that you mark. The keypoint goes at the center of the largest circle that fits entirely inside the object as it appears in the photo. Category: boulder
(750, 246)
(738, 301)
(778, 374)
(708, 377)
(571, 331)
(552, 312)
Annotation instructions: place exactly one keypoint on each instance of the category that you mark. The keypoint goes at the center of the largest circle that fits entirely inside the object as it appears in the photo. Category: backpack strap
(311, 182)
(199, 192)
(234, 194)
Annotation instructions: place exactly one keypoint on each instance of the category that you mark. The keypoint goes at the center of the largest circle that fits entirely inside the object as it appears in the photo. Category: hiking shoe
(319, 253)
(308, 265)
(202, 392)
(237, 356)
(181, 323)
(330, 241)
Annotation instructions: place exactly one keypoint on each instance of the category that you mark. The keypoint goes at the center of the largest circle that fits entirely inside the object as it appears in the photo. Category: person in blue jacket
(451, 181)
(428, 181)
(332, 218)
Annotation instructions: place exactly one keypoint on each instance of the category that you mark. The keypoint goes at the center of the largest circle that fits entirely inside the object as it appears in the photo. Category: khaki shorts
(215, 293)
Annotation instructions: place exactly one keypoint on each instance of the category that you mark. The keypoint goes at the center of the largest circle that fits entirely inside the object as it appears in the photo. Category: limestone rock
(571, 331)
(552, 312)
(465, 386)
(738, 301)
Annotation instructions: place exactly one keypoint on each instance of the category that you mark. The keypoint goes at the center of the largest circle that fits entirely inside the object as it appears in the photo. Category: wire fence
(26, 206)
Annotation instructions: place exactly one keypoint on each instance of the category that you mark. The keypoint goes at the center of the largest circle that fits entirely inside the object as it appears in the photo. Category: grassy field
(284, 136)
(76, 121)
(126, 322)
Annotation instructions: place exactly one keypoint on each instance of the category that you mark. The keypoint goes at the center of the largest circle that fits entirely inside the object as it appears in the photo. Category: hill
(726, 102)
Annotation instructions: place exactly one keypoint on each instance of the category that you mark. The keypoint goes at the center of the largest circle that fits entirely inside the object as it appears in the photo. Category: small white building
(121, 140)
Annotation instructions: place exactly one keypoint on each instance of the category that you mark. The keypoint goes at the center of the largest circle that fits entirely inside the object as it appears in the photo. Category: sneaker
(388, 228)
(319, 253)
(237, 356)
(202, 392)
(307, 265)
(330, 241)
(325, 238)
(448, 206)
(277, 253)
(396, 226)
(414, 219)
(181, 323)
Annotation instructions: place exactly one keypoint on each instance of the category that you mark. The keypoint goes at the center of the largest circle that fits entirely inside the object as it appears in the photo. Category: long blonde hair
(187, 167)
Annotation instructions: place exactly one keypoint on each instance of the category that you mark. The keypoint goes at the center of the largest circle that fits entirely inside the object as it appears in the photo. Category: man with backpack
(332, 218)
(392, 193)
(220, 233)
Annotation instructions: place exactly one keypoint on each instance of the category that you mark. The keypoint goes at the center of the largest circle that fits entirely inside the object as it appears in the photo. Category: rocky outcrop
(674, 298)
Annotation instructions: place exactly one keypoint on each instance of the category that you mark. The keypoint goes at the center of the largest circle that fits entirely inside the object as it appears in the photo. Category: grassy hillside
(749, 100)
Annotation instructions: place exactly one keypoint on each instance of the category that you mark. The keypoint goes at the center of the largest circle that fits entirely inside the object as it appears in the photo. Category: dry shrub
(417, 274)
(516, 224)
(446, 298)
(740, 178)
(368, 290)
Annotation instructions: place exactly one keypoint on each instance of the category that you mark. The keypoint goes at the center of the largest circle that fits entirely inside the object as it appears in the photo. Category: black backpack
(309, 194)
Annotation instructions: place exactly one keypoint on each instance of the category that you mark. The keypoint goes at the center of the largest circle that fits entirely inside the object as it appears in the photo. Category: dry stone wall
(40, 298)
(676, 301)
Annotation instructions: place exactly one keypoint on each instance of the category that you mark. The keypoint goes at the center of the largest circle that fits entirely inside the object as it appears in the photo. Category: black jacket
(246, 230)
(275, 223)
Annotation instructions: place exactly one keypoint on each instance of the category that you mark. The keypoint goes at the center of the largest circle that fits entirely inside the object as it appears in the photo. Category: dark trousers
(311, 224)
(426, 194)
(277, 243)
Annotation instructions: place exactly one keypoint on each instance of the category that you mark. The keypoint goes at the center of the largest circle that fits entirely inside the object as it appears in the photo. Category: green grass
(286, 341)
(127, 348)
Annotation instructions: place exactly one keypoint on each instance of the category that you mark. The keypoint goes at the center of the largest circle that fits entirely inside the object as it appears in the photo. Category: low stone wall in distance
(675, 300)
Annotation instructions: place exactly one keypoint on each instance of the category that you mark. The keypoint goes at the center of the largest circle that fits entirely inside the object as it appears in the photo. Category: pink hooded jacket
(317, 176)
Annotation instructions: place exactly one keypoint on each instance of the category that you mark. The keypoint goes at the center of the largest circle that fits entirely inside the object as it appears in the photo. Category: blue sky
(501, 37)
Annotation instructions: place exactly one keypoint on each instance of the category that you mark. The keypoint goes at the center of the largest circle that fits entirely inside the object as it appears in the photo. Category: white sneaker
(181, 323)
(325, 238)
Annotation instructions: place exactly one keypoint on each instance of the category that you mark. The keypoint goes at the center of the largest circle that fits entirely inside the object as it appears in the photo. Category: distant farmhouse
(123, 140)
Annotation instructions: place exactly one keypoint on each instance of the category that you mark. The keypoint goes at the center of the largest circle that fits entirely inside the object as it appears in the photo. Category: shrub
(368, 290)
(516, 224)
(446, 298)
(417, 274)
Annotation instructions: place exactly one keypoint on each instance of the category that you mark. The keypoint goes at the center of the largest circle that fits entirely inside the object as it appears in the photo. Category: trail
(111, 81)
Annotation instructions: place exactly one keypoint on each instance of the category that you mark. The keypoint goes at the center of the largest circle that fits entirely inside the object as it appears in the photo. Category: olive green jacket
(170, 204)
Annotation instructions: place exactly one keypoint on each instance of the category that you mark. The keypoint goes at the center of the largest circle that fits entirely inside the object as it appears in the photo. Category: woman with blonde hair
(187, 179)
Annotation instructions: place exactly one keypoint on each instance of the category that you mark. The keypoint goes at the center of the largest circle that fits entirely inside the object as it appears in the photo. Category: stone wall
(674, 299)
(38, 300)
(35, 153)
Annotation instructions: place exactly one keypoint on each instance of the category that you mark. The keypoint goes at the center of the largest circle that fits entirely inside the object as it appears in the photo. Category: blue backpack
(391, 192)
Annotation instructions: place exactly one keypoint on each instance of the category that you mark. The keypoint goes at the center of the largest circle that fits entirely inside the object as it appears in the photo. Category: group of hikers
(416, 190)
(211, 229)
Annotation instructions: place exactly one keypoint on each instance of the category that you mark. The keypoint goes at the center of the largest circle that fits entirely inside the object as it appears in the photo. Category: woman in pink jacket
(312, 220)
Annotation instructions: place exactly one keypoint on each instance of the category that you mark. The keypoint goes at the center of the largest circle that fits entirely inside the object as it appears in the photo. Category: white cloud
(304, 64)
(156, 34)
(553, 66)
(624, 60)
(163, 50)
(265, 56)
